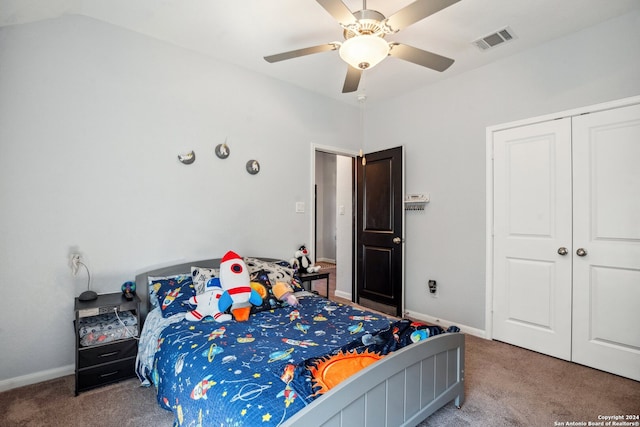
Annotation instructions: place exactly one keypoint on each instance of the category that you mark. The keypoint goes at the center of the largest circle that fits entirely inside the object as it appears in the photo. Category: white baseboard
(480, 333)
(36, 377)
(342, 294)
(332, 261)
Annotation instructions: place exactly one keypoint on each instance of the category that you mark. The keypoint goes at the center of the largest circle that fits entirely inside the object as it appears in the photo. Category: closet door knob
(581, 252)
(563, 251)
(397, 240)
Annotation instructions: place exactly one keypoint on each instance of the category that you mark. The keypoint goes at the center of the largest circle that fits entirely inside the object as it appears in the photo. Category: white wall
(443, 130)
(92, 118)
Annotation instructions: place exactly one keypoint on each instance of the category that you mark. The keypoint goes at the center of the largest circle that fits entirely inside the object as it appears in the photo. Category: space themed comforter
(262, 371)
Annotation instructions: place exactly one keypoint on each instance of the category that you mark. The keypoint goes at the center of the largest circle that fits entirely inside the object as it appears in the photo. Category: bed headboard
(142, 279)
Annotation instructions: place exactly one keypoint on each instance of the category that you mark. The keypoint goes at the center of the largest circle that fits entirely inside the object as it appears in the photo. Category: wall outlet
(433, 288)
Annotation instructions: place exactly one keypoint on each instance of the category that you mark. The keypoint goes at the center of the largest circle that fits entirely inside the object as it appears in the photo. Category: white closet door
(532, 222)
(606, 282)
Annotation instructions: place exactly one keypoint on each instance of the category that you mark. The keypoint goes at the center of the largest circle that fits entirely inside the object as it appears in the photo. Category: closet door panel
(606, 220)
(532, 220)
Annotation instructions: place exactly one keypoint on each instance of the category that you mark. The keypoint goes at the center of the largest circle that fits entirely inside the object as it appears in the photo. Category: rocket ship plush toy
(235, 281)
(207, 304)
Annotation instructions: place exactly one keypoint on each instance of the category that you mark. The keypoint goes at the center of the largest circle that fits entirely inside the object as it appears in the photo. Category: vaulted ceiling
(242, 32)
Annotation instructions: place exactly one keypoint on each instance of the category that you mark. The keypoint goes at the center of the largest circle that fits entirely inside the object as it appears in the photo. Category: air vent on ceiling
(494, 39)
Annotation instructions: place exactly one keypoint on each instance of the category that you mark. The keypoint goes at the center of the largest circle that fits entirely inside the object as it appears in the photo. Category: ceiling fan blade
(300, 52)
(415, 12)
(420, 57)
(339, 11)
(352, 80)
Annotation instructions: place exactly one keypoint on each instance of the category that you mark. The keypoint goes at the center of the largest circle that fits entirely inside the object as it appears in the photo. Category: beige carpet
(510, 386)
(53, 404)
(505, 386)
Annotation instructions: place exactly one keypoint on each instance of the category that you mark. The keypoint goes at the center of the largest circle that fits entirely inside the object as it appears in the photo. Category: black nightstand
(107, 363)
(309, 277)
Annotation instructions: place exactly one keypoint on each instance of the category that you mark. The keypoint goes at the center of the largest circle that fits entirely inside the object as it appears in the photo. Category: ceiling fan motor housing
(369, 23)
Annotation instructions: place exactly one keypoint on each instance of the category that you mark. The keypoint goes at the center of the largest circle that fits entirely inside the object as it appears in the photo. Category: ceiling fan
(364, 33)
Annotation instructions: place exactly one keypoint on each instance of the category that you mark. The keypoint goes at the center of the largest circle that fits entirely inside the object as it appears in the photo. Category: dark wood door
(379, 231)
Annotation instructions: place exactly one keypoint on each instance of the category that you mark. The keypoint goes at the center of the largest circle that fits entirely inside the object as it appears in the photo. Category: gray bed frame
(402, 389)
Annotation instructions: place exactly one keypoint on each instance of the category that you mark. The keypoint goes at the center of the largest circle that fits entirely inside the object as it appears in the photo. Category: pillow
(155, 282)
(173, 295)
(296, 283)
(260, 283)
(201, 276)
(278, 271)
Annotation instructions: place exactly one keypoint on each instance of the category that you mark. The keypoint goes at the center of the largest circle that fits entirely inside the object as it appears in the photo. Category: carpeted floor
(511, 386)
(505, 386)
(53, 404)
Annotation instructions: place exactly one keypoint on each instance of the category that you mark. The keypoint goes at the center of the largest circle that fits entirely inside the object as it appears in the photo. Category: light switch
(341, 209)
(299, 207)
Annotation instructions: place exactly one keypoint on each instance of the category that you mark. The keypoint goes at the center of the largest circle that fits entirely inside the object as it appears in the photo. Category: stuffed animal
(235, 281)
(302, 260)
(207, 304)
(284, 292)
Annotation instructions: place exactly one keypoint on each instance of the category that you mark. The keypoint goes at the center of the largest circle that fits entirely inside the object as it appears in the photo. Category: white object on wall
(416, 202)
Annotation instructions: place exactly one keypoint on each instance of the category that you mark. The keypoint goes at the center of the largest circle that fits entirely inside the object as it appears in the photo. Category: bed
(287, 365)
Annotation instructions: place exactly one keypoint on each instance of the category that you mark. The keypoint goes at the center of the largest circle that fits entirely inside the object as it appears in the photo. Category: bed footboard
(402, 389)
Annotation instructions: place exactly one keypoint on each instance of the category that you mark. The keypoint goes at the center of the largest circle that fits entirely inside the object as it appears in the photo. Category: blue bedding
(262, 371)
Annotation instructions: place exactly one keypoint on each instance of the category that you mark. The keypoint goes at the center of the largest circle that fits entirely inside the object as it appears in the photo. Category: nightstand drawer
(91, 356)
(105, 374)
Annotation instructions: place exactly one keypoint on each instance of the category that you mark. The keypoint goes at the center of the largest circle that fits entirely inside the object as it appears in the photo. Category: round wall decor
(222, 151)
(253, 167)
(187, 158)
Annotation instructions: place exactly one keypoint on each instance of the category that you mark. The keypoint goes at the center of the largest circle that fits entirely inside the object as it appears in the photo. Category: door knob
(397, 240)
(562, 251)
(581, 252)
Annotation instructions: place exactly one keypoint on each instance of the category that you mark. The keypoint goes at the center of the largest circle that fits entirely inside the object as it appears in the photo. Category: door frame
(489, 186)
(312, 208)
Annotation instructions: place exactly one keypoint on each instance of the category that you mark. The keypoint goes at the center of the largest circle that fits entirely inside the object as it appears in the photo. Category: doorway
(370, 271)
(332, 216)
(326, 207)
(380, 231)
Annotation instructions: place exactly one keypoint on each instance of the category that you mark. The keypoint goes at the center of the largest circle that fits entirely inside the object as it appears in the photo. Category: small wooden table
(309, 277)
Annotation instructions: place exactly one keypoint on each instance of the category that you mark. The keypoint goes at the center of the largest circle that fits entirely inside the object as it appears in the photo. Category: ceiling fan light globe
(364, 51)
